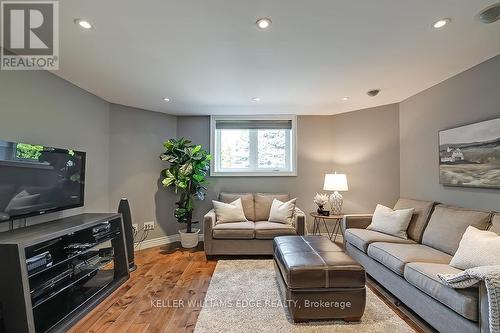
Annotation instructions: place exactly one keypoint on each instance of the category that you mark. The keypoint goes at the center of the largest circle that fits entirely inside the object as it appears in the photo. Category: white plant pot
(189, 240)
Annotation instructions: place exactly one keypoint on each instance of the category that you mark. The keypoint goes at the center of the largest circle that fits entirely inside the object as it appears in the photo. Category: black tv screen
(35, 180)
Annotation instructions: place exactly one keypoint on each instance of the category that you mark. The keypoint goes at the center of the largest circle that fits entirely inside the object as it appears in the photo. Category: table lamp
(336, 182)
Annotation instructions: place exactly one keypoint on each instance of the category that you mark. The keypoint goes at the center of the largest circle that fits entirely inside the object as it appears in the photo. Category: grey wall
(38, 107)
(384, 151)
(136, 138)
(366, 148)
(362, 144)
(471, 96)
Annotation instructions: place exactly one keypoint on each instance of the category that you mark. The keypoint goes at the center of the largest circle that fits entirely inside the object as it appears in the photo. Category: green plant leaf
(168, 181)
(187, 171)
(169, 144)
(198, 178)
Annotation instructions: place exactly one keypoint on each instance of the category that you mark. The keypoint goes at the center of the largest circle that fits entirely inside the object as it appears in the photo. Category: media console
(54, 273)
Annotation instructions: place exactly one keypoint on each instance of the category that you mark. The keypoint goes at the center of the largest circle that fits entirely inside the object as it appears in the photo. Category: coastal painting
(469, 156)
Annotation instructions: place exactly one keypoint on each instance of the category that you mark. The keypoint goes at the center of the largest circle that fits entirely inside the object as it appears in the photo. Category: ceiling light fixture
(84, 24)
(441, 23)
(490, 14)
(263, 23)
(256, 99)
(373, 92)
(166, 99)
(345, 98)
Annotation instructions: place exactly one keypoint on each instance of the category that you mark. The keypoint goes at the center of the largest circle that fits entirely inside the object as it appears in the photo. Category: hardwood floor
(145, 303)
(141, 304)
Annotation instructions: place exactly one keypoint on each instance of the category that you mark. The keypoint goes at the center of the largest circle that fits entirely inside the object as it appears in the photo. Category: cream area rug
(244, 296)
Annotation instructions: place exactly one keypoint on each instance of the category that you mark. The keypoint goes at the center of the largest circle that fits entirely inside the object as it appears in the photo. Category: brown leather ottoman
(318, 280)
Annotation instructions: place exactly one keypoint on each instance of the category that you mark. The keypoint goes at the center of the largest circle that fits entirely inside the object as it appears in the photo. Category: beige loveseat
(409, 268)
(254, 237)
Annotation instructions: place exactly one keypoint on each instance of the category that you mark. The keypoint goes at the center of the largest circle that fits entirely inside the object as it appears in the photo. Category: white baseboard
(160, 241)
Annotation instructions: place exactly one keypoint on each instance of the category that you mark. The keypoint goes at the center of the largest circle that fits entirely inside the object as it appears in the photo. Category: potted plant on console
(187, 172)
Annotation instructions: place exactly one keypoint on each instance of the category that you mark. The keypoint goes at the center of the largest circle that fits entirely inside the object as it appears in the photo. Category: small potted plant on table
(321, 200)
(187, 172)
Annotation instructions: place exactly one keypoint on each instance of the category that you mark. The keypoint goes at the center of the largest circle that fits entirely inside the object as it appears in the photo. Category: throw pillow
(229, 212)
(282, 212)
(477, 248)
(391, 222)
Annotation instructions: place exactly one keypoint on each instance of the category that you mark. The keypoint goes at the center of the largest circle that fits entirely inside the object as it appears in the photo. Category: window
(253, 146)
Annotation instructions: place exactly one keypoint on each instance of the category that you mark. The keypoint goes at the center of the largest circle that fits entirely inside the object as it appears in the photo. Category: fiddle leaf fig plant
(187, 171)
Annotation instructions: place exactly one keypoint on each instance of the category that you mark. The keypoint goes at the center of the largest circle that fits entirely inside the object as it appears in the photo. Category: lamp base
(336, 201)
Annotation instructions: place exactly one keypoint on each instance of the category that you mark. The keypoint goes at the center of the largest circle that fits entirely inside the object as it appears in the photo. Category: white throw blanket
(491, 277)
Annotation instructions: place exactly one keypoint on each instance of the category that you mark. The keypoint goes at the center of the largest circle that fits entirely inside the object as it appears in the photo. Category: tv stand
(54, 273)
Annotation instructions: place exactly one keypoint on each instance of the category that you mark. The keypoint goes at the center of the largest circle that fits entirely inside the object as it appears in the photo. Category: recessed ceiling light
(166, 99)
(263, 23)
(441, 23)
(84, 24)
(256, 99)
(373, 92)
(345, 98)
(490, 14)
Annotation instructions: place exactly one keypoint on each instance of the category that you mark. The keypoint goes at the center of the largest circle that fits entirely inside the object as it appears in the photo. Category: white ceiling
(209, 57)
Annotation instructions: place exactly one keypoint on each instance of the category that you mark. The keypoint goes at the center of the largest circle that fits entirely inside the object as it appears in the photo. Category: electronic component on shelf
(101, 228)
(43, 259)
(86, 261)
(97, 234)
(51, 283)
(78, 247)
(107, 252)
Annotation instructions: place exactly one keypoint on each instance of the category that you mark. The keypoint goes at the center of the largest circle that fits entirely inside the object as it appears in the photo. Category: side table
(318, 219)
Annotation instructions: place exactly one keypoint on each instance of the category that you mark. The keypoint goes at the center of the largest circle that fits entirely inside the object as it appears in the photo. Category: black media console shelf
(54, 273)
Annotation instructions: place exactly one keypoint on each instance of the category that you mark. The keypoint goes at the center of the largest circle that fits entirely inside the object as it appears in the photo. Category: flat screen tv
(35, 180)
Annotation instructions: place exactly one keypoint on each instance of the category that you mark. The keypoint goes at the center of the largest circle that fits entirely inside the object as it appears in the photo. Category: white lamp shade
(335, 182)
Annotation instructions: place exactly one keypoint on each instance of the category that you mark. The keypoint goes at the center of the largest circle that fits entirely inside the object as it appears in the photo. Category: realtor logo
(30, 35)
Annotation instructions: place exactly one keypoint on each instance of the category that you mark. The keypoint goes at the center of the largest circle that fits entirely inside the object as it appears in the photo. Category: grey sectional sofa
(254, 237)
(409, 268)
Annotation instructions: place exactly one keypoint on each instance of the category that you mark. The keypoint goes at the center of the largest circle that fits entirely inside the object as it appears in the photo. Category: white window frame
(291, 163)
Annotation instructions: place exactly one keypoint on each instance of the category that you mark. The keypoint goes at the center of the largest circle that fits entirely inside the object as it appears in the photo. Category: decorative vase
(320, 210)
(189, 240)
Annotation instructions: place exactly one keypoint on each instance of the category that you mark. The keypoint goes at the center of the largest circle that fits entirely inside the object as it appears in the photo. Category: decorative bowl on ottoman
(318, 280)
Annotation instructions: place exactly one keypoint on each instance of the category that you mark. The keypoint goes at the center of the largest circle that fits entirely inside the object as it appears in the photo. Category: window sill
(254, 174)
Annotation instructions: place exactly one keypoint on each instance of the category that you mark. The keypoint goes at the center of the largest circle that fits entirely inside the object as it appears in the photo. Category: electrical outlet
(149, 225)
(135, 227)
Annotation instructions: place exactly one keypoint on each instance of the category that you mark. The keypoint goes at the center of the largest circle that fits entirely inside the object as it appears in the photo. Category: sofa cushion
(263, 202)
(246, 201)
(495, 224)
(282, 212)
(229, 212)
(235, 230)
(424, 276)
(448, 224)
(477, 248)
(391, 222)
(396, 256)
(421, 214)
(269, 230)
(361, 238)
